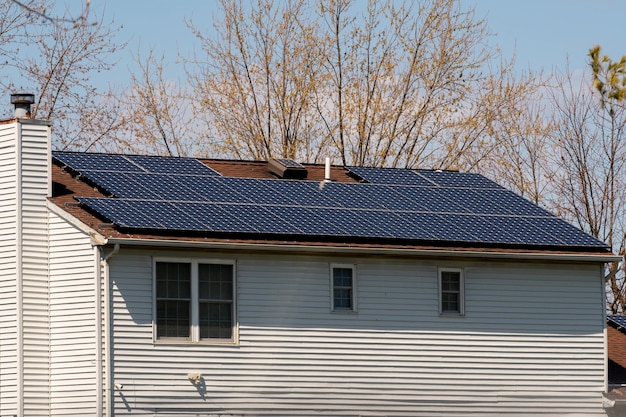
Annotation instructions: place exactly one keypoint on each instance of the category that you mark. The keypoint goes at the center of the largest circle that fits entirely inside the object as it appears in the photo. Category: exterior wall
(24, 186)
(8, 271)
(531, 341)
(74, 351)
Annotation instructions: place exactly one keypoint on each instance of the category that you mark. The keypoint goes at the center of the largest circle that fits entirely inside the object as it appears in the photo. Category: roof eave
(99, 239)
(356, 250)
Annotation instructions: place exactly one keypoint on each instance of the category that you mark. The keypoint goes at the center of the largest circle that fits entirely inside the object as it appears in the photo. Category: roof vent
(22, 104)
(287, 168)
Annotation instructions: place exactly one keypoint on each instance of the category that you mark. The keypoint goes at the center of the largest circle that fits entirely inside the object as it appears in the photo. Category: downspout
(605, 334)
(19, 276)
(107, 332)
(98, 297)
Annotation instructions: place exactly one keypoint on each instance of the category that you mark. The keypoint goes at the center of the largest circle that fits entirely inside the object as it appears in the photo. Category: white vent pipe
(327, 170)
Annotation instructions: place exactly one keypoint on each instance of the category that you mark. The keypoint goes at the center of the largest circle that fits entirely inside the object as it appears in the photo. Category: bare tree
(256, 80)
(56, 61)
(590, 171)
(162, 121)
(40, 11)
(389, 85)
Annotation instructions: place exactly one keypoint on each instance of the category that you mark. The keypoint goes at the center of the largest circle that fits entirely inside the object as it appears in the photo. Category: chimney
(22, 104)
(25, 184)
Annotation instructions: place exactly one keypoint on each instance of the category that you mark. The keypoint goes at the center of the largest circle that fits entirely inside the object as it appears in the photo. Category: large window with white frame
(195, 300)
(451, 291)
(343, 287)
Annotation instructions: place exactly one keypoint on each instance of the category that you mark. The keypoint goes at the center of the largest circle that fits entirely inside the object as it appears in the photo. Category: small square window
(451, 291)
(343, 288)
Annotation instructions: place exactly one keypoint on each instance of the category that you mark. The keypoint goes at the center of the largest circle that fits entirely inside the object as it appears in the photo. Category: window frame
(461, 292)
(353, 268)
(194, 326)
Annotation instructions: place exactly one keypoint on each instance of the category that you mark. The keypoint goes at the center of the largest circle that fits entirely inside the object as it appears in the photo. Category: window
(451, 291)
(194, 301)
(343, 288)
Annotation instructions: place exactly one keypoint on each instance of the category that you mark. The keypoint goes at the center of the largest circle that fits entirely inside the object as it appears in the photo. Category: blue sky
(543, 33)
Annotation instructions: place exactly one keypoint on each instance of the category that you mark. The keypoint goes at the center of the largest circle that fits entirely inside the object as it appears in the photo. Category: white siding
(35, 160)
(530, 343)
(73, 348)
(8, 270)
(24, 186)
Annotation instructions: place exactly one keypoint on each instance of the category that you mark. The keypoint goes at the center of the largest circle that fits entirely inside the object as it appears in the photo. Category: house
(134, 285)
(616, 346)
(616, 342)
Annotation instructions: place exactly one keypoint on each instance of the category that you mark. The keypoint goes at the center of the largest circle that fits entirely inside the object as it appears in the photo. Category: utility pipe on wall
(107, 332)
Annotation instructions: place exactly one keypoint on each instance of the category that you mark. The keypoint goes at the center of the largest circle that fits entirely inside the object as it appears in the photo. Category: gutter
(569, 257)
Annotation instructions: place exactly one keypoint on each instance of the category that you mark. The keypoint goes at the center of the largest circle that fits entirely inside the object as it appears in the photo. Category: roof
(133, 196)
(618, 321)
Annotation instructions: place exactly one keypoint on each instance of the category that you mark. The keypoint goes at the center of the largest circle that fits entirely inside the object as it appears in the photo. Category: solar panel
(96, 162)
(514, 203)
(301, 193)
(432, 200)
(259, 191)
(262, 218)
(351, 222)
(406, 225)
(524, 231)
(133, 164)
(348, 195)
(478, 229)
(473, 201)
(458, 179)
(170, 165)
(390, 176)
(215, 189)
(169, 215)
(306, 220)
(213, 217)
(568, 234)
(122, 213)
(118, 184)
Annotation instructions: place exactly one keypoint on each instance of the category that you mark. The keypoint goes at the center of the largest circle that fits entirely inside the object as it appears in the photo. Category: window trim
(354, 308)
(461, 311)
(194, 329)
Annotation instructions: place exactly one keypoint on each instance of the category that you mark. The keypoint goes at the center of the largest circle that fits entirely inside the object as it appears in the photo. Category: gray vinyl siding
(530, 343)
(73, 349)
(24, 346)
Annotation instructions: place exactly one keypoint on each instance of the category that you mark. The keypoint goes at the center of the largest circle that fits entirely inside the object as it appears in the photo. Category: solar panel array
(183, 195)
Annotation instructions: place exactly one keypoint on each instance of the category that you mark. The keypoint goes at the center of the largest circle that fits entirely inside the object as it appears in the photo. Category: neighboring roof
(616, 348)
(185, 198)
(617, 320)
